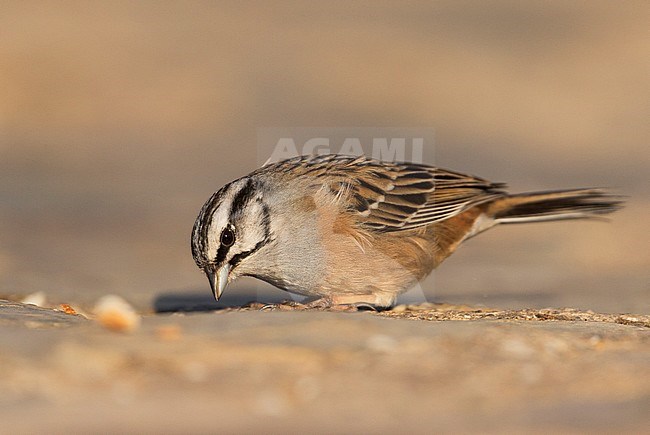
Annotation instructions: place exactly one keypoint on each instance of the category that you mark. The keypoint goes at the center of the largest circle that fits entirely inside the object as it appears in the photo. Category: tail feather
(554, 205)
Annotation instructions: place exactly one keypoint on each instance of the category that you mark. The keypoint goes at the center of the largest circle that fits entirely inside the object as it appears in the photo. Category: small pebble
(116, 314)
(37, 298)
(67, 309)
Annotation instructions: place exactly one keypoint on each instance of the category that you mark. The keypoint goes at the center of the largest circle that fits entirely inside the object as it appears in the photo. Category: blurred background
(119, 119)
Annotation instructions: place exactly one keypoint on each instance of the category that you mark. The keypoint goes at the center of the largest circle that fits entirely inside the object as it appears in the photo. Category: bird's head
(231, 228)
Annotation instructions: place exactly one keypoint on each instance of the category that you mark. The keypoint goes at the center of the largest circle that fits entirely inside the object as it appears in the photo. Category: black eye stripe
(266, 222)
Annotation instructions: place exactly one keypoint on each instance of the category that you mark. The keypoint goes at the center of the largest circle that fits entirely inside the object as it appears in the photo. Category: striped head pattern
(232, 226)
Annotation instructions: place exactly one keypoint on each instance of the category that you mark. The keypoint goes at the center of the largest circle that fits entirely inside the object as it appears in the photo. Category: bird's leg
(374, 301)
(329, 303)
(285, 305)
(316, 304)
(320, 304)
(366, 302)
(348, 302)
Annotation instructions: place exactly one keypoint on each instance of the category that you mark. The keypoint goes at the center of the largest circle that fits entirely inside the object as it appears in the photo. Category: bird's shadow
(190, 301)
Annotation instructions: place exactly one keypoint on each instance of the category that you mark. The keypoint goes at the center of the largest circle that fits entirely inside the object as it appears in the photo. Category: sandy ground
(426, 368)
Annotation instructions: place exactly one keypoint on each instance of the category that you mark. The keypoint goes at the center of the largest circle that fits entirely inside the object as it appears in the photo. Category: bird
(353, 231)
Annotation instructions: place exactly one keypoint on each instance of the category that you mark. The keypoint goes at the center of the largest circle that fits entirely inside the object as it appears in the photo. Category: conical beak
(218, 280)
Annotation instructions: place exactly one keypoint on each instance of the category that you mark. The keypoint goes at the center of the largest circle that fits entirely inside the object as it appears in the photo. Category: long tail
(554, 205)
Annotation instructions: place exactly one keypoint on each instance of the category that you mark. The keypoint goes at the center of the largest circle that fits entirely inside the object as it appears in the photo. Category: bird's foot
(322, 304)
(287, 305)
(282, 306)
(327, 304)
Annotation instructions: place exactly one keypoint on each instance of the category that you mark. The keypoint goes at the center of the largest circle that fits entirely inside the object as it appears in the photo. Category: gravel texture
(417, 368)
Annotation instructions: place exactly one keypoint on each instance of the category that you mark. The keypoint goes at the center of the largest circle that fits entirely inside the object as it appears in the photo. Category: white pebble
(116, 314)
(36, 298)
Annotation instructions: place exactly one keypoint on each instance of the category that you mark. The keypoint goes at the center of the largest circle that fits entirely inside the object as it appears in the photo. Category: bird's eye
(227, 237)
